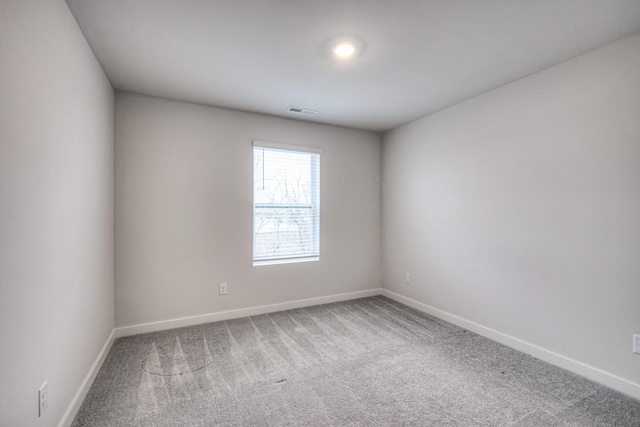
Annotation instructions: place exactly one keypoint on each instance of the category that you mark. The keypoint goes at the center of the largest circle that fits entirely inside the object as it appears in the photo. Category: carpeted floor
(367, 362)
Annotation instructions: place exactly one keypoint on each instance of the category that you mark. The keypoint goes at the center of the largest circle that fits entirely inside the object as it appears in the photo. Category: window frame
(314, 255)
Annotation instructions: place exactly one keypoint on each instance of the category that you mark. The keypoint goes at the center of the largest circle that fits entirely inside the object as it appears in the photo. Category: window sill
(284, 261)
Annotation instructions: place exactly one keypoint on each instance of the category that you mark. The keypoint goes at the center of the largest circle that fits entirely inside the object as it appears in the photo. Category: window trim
(303, 258)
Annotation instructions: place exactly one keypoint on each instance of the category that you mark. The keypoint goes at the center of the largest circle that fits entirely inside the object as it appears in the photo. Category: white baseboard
(243, 312)
(73, 408)
(590, 372)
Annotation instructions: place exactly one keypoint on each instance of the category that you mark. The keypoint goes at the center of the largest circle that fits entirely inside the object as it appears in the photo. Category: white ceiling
(415, 57)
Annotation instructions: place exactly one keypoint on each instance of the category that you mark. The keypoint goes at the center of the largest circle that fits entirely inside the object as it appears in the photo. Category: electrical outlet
(407, 278)
(43, 397)
(223, 288)
(636, 344)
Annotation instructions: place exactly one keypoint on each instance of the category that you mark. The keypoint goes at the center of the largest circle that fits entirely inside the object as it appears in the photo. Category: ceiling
(414, 56)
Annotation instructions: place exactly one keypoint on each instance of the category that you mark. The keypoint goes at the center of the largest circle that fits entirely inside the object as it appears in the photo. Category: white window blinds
(286, 203)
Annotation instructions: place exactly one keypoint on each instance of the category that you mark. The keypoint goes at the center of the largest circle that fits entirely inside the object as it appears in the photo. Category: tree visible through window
(286, 203)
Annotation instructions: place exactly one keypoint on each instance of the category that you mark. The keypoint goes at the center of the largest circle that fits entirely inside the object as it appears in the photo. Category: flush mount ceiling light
(344, 49)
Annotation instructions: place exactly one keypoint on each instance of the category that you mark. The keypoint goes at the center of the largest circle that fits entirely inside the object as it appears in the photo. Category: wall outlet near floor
(223, 288)
(407, 278)
(42, 399)
(636, 344)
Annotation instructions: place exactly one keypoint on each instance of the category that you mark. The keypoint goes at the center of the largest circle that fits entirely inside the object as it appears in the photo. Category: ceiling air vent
(301, 111)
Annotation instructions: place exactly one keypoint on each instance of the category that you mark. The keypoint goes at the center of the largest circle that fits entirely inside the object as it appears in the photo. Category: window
(286, 203)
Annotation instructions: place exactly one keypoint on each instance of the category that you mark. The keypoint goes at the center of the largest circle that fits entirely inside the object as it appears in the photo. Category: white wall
(519, 210)
(56, 209)
(184, 194)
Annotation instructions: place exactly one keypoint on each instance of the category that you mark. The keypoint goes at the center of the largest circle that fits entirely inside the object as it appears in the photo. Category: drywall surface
(519, 210)
(184, 219)
(56, 209)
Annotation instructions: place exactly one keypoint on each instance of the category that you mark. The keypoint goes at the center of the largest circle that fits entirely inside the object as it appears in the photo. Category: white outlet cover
(43, 399)
(636, 344)
(407, 278)
(223, 288)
